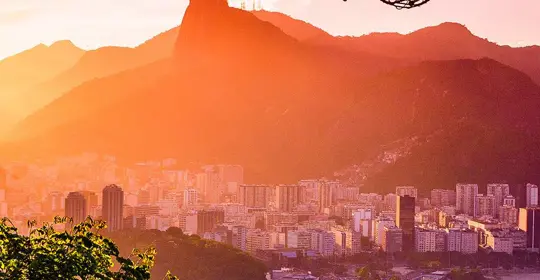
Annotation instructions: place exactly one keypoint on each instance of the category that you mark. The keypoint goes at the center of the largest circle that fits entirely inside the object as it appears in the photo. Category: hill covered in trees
(190, 257)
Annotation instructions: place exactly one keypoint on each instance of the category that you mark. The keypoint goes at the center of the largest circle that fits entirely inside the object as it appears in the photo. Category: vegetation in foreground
(80, 252)
(190, 257)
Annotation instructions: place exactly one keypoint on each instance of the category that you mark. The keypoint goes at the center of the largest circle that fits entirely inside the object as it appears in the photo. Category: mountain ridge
(240, 89)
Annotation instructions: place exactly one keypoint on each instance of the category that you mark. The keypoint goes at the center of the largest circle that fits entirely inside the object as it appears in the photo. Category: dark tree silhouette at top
(404, 4)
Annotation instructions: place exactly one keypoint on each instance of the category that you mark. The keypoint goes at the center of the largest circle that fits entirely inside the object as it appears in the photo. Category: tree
(367, 272)
(78, 253)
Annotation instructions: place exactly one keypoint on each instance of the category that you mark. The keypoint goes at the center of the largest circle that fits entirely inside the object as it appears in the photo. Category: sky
(96, 23)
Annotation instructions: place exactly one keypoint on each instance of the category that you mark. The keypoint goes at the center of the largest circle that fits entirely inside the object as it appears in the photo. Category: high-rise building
(207, 220)
(440, 197)
(54, 203)
(325, 195)
(509, 200)
(485, 205)
(390, 201)
(91, 200)
(508, 214)
(499, 191)
(347, 241)
(532, 195)
(231, 174)
(405, 212)
(257, 240)
(76, 207)
(113, 207)
(299, 239)
(529, 221)
(407, 190)
(207, 184)
(466, 198)
(392, 239)
(362, 221)
(254, 196)
(191, 198)
(427, 240)
(323, 242)
(519, 191)
(379, 225)
(289, 197)
(188, 223)
(463, 241)
(239, 237)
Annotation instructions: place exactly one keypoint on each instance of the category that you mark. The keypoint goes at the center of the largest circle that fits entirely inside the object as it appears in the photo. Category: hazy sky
(91, 24)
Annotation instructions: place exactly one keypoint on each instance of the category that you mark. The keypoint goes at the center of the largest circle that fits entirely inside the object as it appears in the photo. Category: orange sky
(91, 24)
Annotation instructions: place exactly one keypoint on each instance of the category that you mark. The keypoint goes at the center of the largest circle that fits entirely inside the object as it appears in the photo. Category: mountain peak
(210, 28)
(209, 3)
(63, 44)
(448, 29)
(454, 26)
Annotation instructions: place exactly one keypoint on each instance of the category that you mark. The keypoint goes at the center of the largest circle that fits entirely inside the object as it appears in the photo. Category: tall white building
(348, 242)
(532, 195)
(466, 198)
(430, 240)
(407, 190)
(499, 191)
(362, 221)
(379, 225)
(323, 242)
(463, 241)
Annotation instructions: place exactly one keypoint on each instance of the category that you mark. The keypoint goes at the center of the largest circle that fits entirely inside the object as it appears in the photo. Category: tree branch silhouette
(404, 4)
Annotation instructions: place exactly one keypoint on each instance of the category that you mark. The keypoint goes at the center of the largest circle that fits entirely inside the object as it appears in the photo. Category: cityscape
(269, 140)
(316, 218)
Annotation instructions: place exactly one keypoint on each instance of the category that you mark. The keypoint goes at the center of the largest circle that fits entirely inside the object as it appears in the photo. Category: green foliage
(368, 272)
(192, 258)
(78, 253)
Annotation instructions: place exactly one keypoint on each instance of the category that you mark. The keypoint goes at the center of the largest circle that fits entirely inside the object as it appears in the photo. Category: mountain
(298, 29)
(443, 42)
(240, 90)
(31, 67)
(474, 120)
(430, 43)
(235, 83)
(97, 64)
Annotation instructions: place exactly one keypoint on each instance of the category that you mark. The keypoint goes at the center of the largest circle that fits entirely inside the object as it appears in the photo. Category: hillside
(240, 90)
(298, 29)
(29, 68)
(433, 43)
(95, 64)
(214, 101)
(475, 121)
(190, 257)
(430, 43)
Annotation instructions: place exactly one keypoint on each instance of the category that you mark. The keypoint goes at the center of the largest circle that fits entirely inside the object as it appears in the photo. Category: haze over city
(240, 140)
